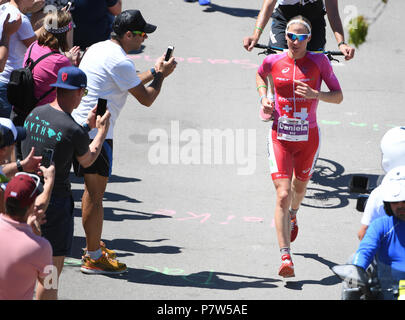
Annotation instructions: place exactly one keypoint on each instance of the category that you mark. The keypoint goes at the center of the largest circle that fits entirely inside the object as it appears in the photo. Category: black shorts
(102, 165)
(279, 24)
(59, 226)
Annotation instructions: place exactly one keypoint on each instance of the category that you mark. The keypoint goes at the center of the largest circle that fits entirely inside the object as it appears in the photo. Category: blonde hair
(55, 41)
(301, 20)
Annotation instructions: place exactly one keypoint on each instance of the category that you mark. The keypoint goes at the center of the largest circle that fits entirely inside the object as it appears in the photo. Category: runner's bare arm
(304, 90)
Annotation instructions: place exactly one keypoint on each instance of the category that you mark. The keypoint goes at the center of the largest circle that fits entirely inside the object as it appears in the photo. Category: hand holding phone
(169, 52)
(47, 156)
(101, 107)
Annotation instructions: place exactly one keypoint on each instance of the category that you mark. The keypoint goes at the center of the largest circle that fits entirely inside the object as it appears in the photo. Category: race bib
(292, 129)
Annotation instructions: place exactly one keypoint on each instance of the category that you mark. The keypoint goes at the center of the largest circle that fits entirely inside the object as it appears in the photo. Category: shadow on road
(236, 12)
(329, 186)
(328, 281)
(130, 246)
(203, 279)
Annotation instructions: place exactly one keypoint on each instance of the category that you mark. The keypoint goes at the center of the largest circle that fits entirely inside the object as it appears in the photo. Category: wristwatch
(340, 43)
(19, 166)
(153, 71)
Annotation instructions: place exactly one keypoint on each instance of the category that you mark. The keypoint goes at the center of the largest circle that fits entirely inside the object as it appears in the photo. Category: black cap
(131, 20)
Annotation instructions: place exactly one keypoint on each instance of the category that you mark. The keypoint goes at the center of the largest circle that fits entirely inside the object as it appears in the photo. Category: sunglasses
(300, 37)
(85, 92)
(141, 33)
(33, 177)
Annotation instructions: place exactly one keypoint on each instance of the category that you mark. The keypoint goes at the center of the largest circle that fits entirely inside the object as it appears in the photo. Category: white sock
(95, 254)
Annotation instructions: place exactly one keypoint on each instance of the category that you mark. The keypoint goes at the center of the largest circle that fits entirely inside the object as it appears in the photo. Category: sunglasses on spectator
(141, 33)
(294, 36)
(85, 92)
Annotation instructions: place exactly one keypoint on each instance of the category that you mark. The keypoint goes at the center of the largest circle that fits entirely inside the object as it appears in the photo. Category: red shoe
(294, 229)
(287, 267)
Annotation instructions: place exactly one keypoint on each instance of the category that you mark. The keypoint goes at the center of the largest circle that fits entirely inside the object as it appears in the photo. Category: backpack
(20, 89)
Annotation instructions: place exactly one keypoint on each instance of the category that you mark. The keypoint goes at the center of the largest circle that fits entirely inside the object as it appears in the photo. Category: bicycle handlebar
(273, 50)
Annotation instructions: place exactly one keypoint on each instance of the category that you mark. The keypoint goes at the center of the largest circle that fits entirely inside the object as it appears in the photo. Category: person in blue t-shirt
(385, 237)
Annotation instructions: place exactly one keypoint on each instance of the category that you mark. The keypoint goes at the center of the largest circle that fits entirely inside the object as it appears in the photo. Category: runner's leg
(282, 213)
(299, 189)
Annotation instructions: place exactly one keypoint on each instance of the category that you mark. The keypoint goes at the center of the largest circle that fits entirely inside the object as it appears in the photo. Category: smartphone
(169, 53)
(47, 155)
(101, 106)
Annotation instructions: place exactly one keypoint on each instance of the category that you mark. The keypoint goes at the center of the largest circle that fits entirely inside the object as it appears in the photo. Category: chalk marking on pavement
(245, 63)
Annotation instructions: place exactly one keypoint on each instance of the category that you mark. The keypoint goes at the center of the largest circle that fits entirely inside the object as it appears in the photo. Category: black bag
(20, 89)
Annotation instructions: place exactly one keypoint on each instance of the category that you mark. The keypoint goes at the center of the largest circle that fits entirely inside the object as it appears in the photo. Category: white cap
(393, 185)
(393, 148)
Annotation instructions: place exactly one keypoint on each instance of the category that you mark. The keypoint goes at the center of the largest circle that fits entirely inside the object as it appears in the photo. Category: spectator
(10, 136)
(9, 28)
(111, 76)
(19, 42)
(385, 237)
(51, 126)
(94, 27)
(26, 257)
(393, 155)
(52, 40)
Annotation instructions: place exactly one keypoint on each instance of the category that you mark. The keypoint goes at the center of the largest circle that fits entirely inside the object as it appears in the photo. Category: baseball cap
(24, 187)
(131, 20)
(70, 78)
(10, 133)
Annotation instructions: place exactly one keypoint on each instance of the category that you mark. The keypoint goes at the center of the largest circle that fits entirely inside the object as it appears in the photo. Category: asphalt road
(194, 221)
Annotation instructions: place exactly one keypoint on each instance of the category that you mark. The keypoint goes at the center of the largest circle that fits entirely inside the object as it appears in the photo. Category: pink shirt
(46, 71)
(24, 257)
(312, 69)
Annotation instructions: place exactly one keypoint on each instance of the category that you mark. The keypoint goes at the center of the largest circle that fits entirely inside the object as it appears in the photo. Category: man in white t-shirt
(111, 75)
(18, 44)
(393, 155)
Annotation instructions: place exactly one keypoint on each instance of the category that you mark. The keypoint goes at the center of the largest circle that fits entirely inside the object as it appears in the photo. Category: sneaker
(294, 228)
(204, 2)
(111, 253)
(103, 265)
(287, 267)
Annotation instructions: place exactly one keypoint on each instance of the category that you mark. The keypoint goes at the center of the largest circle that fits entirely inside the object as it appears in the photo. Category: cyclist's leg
(277, 32)
(318, 36)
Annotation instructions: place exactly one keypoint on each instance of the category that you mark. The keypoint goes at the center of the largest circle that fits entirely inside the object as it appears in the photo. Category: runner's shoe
(103, 265)
(287, 267)
(294, 228)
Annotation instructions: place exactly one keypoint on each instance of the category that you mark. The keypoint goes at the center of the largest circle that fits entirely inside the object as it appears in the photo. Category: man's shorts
(103, 164)
(277, 33)
(58, 229)
(286, 157)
